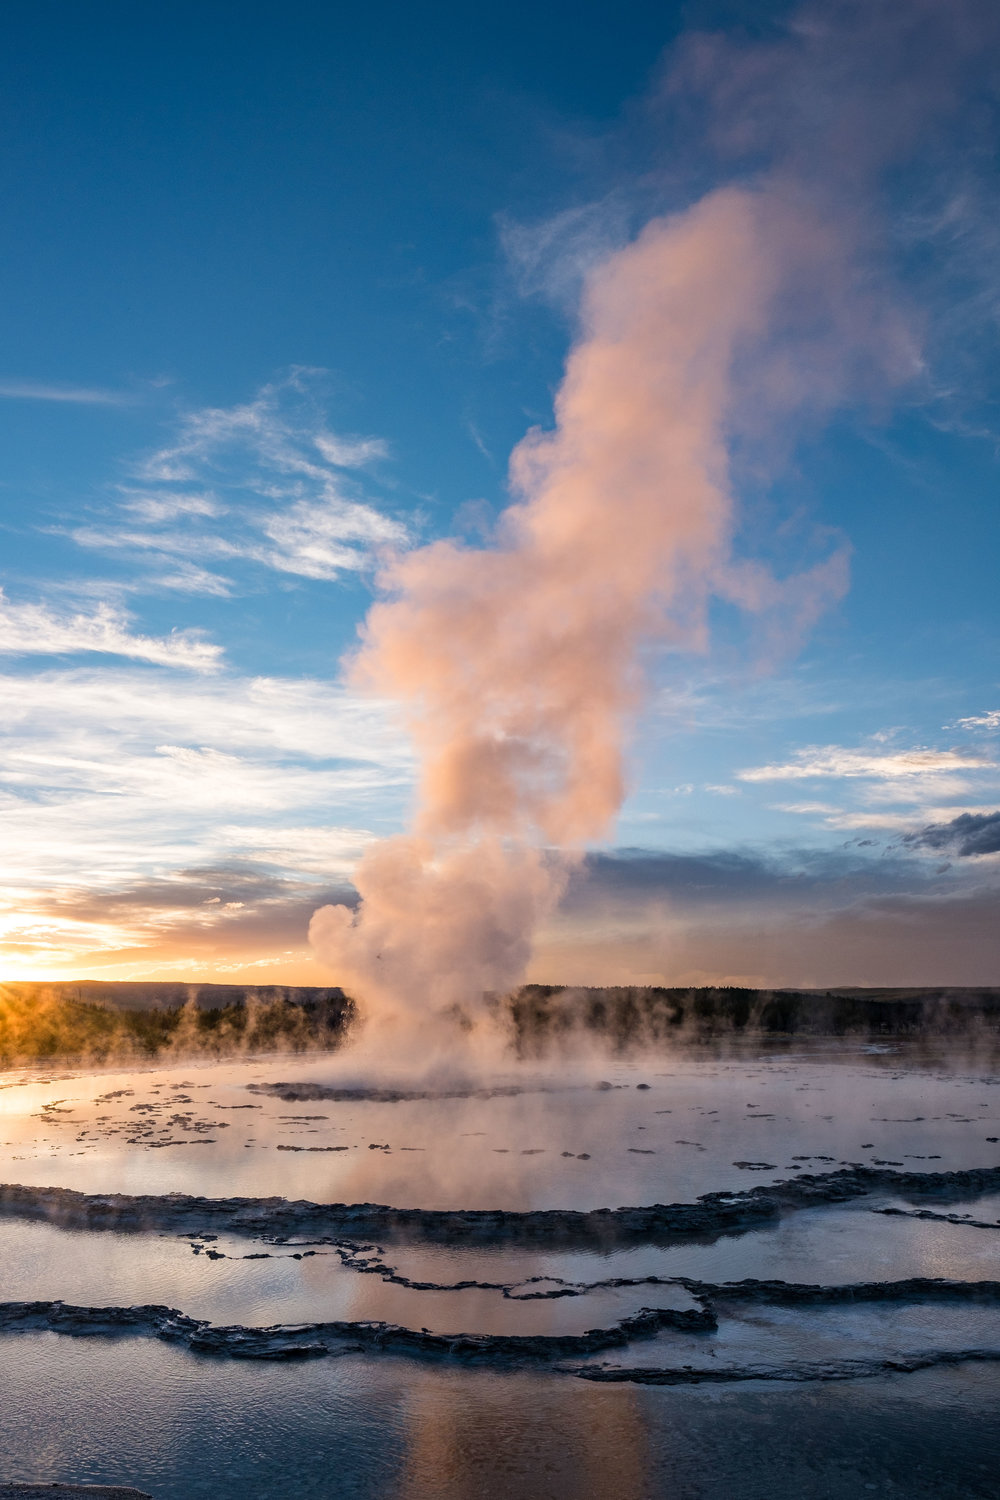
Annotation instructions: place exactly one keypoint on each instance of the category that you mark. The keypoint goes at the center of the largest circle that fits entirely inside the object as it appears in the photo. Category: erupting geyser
(518, 663)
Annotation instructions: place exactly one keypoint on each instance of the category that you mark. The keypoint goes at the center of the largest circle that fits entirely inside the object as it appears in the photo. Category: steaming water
(133, 1408)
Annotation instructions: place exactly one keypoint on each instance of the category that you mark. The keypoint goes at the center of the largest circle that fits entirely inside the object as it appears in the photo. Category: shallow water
(579, 1146)
(307, 1283)
(426, 1421)
(107, 1270)
(832, 1246)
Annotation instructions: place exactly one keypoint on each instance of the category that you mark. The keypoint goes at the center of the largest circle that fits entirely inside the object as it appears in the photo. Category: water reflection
(183, 1428)
(562, 1443)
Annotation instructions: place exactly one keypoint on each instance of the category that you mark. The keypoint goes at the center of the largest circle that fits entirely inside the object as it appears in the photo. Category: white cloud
(35, 629)
(298, 717)
(123, 789)
(893, 790)
(183, 577)
(158, 507)
(989, 720)
(900, 822)
(349, 453)
(835, 761)
(319, 538)
(919, 790)
(161, 543)
(263, 484)
(807, 809)
(282, 426)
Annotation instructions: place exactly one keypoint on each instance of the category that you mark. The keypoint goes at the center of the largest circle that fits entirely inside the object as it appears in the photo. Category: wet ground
(674, 1262)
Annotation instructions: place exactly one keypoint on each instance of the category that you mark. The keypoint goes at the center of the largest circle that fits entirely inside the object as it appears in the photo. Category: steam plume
(518, 664)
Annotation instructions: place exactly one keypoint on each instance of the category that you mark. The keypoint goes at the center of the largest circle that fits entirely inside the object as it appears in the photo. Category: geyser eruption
(519, 663)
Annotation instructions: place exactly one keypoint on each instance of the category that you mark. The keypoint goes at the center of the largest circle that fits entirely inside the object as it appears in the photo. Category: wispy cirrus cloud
(551, 257)
(81, 395)
(181, 576)
(838, 762)
(263, 484)
(158, 509)
(29, 629)
(283, 427)
(876, 818)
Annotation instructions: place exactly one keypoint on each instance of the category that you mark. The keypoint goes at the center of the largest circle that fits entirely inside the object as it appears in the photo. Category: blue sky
(283, 286)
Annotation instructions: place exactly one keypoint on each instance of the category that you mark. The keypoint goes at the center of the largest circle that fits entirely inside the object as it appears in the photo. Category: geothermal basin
(768, 1268)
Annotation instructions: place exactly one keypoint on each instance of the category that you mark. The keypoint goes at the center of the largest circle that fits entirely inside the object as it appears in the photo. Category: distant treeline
(628, 1017)
(99, 1023)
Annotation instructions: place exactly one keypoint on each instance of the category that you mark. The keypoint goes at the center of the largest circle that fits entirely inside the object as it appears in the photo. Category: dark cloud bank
(795, 876)
(966, 835)
(797, 918)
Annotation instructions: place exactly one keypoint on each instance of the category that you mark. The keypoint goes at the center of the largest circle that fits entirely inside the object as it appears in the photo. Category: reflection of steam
(519, 663)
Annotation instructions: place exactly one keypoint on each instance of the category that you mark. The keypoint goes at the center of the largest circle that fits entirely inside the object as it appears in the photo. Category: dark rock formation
(279, 1218)
(307, 1092)
(83, 1491)
(317, 1340)
(839, 1369)
(337, 1338)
